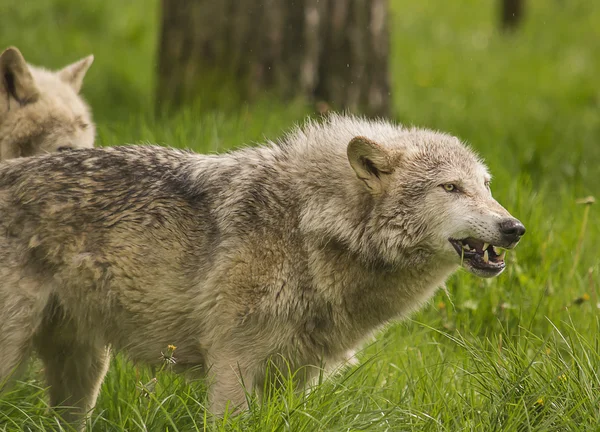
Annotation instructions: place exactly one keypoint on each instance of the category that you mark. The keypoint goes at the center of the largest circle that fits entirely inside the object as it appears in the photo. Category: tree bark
(332, 51)
(511, 14)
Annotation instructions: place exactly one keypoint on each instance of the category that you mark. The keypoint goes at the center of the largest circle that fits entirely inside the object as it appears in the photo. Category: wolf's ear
(16, 76)
(371, 162)
(75, 72)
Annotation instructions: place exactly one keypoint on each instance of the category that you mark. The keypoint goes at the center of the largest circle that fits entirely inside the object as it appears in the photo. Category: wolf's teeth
(501, 256)
(485, 246)
(486, 257)
(466, 247)
(497, 250)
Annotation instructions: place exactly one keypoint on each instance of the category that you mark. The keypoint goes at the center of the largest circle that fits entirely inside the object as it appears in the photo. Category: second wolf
(41, 111)
(298, 250)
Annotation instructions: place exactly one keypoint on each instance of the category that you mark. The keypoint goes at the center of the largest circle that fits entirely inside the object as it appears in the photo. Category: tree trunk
(332, 51)
(511, 13)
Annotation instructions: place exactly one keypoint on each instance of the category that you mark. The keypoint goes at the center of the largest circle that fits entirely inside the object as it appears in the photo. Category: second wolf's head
(41, 111)
(431, 193)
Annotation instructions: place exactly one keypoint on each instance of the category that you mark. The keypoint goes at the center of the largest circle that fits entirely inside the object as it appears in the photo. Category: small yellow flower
(539, 402)
(548, 351)
(579, 300)
(562, 377)
(168, 356)
(441, 305)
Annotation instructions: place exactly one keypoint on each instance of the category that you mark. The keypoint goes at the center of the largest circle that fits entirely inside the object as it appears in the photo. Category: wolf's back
(137, 202)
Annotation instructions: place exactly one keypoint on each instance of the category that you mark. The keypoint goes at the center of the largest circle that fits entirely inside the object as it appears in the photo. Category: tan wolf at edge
(41, 111)
(297, 250)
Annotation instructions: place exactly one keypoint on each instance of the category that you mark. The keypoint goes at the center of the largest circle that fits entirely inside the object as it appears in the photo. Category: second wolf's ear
(371, 162)
(16, 76)
(75, 72)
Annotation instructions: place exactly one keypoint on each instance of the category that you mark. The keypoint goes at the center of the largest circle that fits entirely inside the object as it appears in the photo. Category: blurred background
(516, 79)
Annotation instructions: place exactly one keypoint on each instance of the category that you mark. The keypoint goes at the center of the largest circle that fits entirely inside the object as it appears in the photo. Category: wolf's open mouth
(480, 256)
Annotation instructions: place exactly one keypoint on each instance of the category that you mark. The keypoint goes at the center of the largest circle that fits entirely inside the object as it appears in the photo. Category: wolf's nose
(512, 229)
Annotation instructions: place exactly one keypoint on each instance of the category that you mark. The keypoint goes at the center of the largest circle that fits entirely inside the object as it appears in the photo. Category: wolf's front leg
(229, 383)
(74, 370)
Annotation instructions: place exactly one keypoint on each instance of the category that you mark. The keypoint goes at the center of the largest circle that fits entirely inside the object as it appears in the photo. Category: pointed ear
(371, 162)
(75, 72)
(16, 76)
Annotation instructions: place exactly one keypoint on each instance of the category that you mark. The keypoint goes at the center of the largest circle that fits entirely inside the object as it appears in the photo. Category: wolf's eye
(449, 187)
(487, 184)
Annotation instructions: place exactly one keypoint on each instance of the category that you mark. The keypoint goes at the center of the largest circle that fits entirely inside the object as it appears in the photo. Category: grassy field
(517, 353)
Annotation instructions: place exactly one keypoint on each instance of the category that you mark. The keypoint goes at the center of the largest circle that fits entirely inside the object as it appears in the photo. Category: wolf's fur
(297, 250)
(40, 110)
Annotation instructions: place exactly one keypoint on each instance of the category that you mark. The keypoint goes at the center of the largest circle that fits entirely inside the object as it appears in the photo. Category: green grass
(520, 352)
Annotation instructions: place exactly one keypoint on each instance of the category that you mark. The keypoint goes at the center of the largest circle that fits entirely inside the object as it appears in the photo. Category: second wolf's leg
(21, 304)
(15, 340)
(74, 368)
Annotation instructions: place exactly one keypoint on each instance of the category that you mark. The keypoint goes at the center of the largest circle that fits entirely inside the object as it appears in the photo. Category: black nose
(512, 229)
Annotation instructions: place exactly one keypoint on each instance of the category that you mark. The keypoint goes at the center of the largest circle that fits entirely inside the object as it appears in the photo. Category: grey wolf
(41, 111)
(299, 250)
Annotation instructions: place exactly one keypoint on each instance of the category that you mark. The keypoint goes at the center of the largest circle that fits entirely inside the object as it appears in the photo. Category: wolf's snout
(512, 229)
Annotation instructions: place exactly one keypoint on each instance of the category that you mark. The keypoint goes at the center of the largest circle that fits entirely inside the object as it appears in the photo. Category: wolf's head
(41, 111)
(431, 193)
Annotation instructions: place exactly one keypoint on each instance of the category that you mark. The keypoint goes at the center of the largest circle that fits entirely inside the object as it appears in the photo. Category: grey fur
(299, 250)
(41, 111)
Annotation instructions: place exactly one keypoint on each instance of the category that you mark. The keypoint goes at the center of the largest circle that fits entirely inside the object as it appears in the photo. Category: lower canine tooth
(486, 257)
(502, 255)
